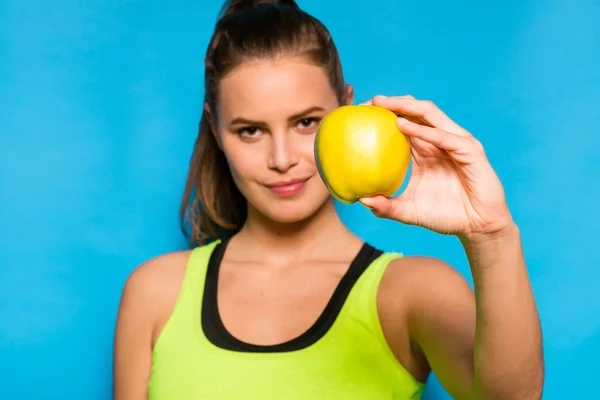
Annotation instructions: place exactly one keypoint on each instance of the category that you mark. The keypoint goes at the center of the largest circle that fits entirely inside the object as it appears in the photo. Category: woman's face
(268, 114)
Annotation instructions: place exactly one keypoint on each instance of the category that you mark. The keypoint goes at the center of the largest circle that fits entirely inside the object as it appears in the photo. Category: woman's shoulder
(414, 288)
(152, 287)
(158, 275)
(418, 287)
(421, 278)
(419, 268)
(162, 275)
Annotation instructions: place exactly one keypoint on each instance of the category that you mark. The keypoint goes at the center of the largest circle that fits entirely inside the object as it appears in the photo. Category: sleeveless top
(344, 355)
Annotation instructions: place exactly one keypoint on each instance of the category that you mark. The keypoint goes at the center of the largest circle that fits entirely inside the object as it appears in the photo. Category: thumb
(379, 205)
(391, 208)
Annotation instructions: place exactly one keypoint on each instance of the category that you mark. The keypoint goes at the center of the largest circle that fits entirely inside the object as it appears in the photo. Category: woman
(280, 300)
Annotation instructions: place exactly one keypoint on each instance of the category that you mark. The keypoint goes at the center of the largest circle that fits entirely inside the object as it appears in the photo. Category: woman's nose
(283, 153)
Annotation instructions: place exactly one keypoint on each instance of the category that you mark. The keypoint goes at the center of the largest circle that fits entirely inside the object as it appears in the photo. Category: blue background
(99, 105)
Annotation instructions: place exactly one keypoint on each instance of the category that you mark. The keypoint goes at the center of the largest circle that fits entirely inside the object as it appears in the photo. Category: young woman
(277, 299)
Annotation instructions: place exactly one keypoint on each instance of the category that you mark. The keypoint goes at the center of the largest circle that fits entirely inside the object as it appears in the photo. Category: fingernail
(365, 205)
(381, 97)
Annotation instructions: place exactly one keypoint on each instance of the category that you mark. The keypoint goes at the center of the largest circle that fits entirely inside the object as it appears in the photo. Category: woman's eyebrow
(246, 121)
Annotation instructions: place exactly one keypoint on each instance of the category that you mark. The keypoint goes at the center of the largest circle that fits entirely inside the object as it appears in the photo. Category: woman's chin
(289, 216)
(293, 212)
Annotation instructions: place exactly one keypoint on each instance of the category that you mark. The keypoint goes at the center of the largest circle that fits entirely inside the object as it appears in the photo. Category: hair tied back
(235, 6)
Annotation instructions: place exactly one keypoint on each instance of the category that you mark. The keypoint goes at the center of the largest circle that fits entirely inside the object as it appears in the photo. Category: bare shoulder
(422, 278)
(157, 276)
(427, 287)
(152, 288)
(419, 285)
(418, 294)
(433, 296)
(148, 295)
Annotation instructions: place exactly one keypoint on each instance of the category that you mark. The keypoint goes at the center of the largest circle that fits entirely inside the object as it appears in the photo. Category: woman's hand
(453, 189)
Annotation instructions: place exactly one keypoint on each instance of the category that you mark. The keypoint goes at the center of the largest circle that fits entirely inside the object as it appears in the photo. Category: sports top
(343, 355)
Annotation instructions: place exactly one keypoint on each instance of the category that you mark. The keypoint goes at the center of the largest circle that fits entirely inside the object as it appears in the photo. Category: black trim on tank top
(217, 334)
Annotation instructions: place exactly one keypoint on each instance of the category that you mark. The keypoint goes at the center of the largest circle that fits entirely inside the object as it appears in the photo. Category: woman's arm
(487, 345)
(147, 301)
(508, 352)
(132, 343)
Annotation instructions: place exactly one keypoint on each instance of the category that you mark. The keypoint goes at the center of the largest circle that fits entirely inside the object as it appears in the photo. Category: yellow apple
(360, 151)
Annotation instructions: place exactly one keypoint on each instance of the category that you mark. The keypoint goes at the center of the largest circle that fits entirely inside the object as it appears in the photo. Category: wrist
(502, 227)
(507, 230)
(486, 249)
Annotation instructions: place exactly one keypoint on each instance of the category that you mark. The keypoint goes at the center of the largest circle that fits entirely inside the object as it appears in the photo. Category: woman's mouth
(289, 187)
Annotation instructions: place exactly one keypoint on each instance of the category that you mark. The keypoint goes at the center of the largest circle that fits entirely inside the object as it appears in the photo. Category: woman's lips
(288, 188)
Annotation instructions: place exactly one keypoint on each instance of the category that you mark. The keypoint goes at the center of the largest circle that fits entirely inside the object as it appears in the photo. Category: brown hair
(212, 205)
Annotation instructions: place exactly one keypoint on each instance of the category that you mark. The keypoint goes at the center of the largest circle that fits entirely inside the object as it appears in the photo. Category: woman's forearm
(508, 355)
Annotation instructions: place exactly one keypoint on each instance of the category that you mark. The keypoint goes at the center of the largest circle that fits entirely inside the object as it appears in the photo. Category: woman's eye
(248, 132)
(307, 123)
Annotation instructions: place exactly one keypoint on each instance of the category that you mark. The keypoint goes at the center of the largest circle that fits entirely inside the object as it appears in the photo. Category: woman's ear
(213, 125)
(349, 95)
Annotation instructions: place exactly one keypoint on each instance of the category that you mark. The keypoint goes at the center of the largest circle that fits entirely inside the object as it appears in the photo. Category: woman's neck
(312, 237)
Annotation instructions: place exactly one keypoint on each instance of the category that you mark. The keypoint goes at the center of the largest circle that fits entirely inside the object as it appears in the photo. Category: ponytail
(212, 205)
(235, 6)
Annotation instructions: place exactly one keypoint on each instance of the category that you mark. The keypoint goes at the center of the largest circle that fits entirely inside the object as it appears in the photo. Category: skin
(292, 251)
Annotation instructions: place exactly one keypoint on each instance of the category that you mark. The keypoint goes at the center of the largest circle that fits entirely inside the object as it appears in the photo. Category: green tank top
(344, 355)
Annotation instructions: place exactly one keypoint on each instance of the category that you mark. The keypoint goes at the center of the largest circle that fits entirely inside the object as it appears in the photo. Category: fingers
(370, 101)
(427, 111)
(436, 137)
(453, 144)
